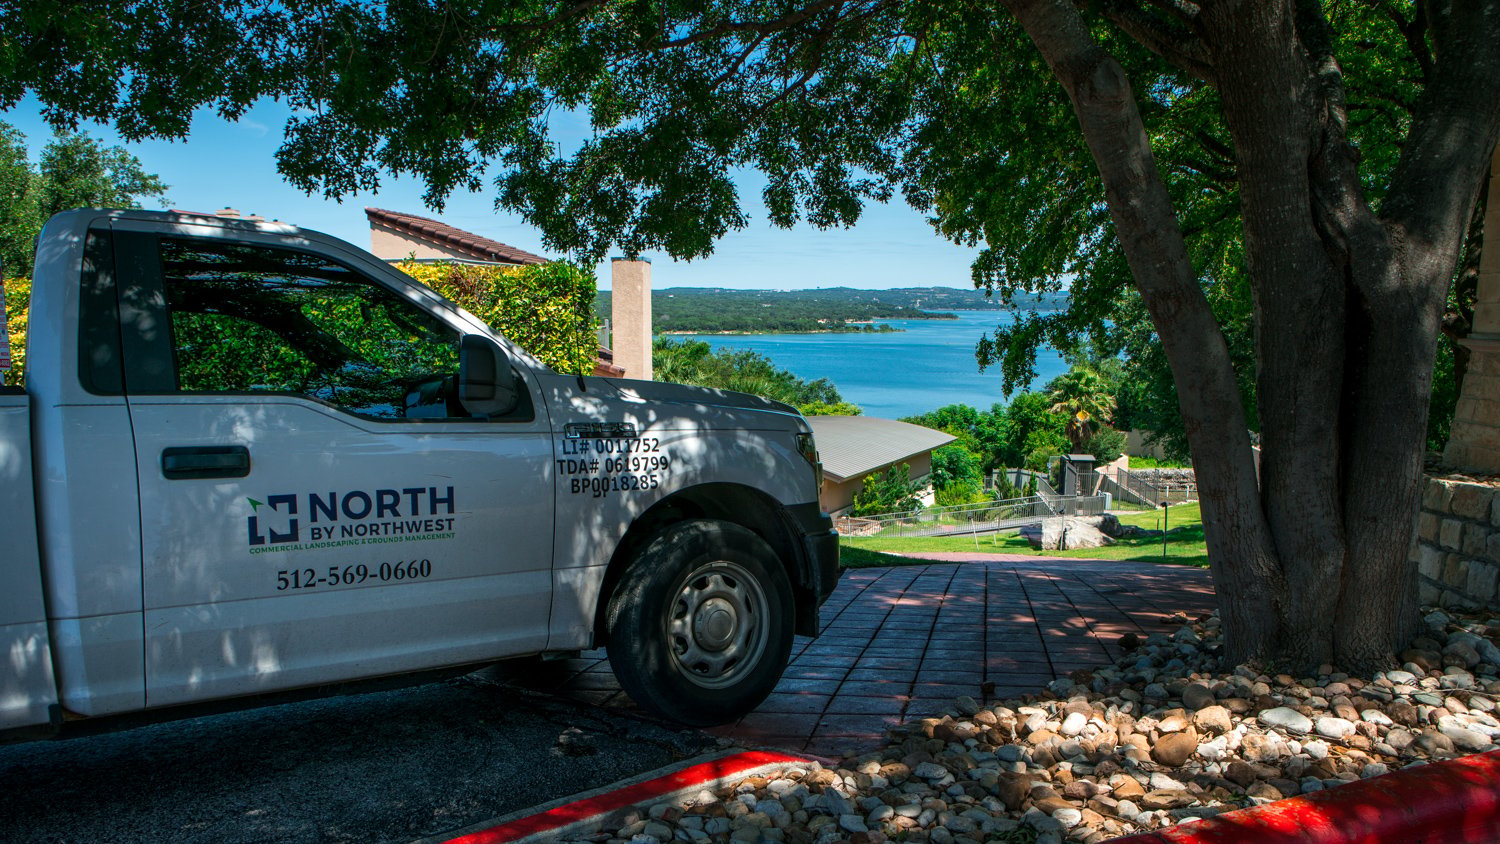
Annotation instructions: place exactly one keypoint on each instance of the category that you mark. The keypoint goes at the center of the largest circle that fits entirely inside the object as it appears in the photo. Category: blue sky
(233, 164)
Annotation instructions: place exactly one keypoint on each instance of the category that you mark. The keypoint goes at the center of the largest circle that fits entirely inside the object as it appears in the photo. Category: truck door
(315, 504)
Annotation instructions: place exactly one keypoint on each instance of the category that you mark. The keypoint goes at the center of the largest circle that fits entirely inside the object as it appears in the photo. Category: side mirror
(486, 384)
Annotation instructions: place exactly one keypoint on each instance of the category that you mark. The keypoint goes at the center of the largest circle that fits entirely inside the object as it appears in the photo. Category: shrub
(953, 464)
(891, 491)
(17, 303)
(819, 408)
(1106, 445)
(547, 309)
(961, 492)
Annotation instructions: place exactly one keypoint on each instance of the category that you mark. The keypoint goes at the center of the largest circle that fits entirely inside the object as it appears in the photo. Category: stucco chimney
(630, 306)
(1474, 439)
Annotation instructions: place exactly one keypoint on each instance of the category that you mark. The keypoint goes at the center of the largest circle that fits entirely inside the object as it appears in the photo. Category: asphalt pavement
(433, 759)
(387, 766)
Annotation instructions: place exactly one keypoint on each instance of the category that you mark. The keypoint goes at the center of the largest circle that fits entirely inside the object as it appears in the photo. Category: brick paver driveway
(900, 643)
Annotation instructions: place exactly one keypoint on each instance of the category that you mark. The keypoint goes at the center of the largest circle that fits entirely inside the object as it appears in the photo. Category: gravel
(1164, 736)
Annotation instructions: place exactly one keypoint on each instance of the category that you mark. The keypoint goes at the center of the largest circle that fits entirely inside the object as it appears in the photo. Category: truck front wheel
(700, 626)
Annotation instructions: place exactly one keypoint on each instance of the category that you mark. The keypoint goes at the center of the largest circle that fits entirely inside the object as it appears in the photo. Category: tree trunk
(1240, 550)
(1272, 113)
(1310, 561)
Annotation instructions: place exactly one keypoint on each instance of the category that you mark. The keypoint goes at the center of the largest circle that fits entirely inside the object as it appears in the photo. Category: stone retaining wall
(1166, 476)
(1457, 550)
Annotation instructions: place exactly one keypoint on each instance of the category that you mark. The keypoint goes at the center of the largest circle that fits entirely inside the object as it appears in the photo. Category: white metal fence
(1132, 486)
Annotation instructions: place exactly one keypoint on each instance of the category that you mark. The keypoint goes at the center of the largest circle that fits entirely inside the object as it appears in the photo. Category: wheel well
(741, 505)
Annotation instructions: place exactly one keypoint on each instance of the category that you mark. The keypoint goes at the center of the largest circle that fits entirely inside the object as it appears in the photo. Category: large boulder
(1061, 533)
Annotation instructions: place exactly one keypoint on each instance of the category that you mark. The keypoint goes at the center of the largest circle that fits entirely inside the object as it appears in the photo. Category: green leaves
(79, 172)
(142, 65)
(955, 464)
(1084, 399)
(75, 171)
(744, 371)
(680, 96)
(836, 103)
(547, 309)
(20, 216)
(891, 491)
(1023, 433)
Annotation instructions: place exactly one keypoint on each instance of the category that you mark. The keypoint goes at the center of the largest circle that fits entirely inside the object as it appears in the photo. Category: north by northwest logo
(391, 515)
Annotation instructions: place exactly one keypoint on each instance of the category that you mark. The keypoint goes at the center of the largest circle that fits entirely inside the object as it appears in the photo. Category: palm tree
(1084, 396)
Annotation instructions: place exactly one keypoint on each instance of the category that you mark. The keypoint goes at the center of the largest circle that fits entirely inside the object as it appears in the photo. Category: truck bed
(27, 692)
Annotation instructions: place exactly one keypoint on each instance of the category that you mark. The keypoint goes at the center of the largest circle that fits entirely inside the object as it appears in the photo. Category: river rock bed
(1159, 738)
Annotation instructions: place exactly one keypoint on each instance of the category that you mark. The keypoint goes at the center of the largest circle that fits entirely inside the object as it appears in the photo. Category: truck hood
(658, 391)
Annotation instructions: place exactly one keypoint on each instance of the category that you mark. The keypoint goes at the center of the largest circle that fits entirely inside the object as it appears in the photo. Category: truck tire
(700, 626)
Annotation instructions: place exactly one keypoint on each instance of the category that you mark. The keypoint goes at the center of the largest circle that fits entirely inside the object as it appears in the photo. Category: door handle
(205, 461)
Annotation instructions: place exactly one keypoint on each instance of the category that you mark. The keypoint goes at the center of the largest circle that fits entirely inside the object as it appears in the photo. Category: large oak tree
(1328, 155)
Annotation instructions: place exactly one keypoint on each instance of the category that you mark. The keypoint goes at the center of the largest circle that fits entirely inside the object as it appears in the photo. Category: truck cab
(261, 459)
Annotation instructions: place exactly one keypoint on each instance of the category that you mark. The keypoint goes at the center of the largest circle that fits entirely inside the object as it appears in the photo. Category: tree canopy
(1024, 433)
(1320, 161)
(74, 171)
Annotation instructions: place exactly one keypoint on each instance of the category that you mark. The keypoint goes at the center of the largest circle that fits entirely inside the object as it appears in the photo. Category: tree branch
(1215, 146)
(1181, 48)
(1376, 108)
(1337, 192)
(541, 28)
(1208, 171)
(1454, 130)
(765, 27)
(819, 43)
(1415, 33)
(738, 62)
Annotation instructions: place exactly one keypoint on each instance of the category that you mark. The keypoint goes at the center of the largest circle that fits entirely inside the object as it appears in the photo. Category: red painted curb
(581, 810)
(1453, 802)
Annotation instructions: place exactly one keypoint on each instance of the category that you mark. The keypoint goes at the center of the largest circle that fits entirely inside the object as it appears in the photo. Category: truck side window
(248, 318)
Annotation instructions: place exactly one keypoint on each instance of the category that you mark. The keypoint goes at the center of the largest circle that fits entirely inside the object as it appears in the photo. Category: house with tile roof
(854, 447)
(398, 236)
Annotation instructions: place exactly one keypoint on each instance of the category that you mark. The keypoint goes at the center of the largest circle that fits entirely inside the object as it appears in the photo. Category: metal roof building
(853, 447)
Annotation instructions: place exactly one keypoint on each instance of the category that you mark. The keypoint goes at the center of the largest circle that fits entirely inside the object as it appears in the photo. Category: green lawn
(1185, 545)
(854, 557)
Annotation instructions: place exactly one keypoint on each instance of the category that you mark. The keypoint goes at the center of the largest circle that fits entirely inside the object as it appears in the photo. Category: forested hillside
(707, 310)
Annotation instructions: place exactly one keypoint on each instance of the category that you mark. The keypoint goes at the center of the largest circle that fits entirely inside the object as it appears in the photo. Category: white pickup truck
(251, 458)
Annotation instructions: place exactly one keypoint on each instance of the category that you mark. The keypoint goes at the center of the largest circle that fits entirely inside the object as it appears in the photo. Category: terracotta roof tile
(456, 239)
(604, 364)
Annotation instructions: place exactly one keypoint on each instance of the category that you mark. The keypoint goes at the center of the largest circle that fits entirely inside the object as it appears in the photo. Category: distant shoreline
(725, 312)
(933, 363)
(884, 321)
(853, 326)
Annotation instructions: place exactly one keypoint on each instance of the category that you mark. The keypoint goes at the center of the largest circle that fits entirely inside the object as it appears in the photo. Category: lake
(930, 363)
